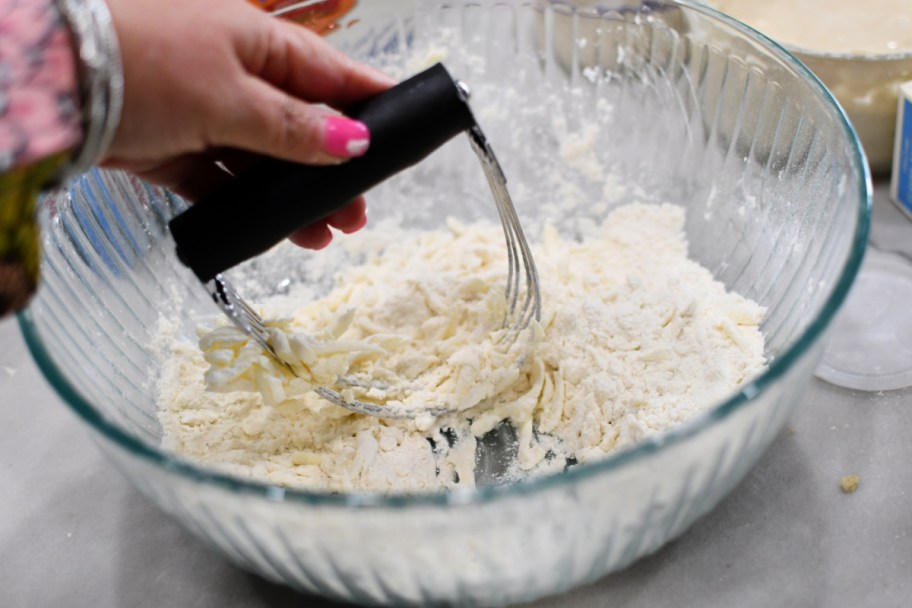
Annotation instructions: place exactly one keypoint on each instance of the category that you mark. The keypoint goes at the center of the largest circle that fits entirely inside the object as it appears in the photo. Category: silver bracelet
(101, 79)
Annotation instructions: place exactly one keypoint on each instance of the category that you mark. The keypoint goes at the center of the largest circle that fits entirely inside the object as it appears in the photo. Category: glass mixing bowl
(777, 198)
(866, 84)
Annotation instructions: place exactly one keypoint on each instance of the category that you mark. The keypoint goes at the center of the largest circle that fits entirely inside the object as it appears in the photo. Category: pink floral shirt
(39, 93)
(40, 125)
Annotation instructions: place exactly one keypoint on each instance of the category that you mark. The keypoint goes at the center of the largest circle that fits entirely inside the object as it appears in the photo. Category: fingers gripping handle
(275, 198)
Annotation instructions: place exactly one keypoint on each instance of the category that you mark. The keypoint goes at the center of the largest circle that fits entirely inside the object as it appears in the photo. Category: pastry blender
(263, 206)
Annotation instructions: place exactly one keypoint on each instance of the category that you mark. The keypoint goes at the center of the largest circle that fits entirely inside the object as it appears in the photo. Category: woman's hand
(217, 80)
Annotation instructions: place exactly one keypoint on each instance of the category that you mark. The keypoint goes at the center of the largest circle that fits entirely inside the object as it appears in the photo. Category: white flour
(635, 339)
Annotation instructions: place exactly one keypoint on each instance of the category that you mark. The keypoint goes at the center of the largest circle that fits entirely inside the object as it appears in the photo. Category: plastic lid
(870, 347)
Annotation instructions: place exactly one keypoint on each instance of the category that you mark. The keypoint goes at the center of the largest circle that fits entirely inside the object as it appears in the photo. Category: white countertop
(74, 532)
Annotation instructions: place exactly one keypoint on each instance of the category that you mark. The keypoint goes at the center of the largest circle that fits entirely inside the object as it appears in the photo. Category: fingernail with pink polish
(344, 137)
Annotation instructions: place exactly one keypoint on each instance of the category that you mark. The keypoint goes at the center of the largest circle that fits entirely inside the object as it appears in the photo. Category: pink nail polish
(344, 137)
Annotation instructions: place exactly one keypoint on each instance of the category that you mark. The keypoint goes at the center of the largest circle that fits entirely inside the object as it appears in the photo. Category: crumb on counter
(849, 483)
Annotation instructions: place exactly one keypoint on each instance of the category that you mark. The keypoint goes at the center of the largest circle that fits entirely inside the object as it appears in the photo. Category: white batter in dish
(635, 339)
(829, 26)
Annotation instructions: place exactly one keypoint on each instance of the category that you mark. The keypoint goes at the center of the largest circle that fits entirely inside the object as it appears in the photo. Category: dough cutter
(262, 206)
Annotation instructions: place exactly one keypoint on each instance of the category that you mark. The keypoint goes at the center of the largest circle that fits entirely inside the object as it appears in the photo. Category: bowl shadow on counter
(754, 536)
(165, 565)
(730, 556)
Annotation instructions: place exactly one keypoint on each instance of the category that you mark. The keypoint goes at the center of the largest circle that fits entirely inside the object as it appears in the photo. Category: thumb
(271, 122)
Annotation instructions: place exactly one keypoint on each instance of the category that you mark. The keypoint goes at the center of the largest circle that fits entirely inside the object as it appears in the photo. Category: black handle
(274, 198)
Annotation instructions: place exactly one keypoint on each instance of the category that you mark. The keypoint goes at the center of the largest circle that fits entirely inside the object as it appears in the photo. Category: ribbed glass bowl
(777, 199)
(867, 87)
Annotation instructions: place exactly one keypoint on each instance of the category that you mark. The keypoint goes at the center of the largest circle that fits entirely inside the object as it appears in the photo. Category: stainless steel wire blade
(523, 292)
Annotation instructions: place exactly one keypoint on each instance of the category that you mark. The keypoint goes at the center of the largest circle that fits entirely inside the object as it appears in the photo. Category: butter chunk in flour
(635, 339)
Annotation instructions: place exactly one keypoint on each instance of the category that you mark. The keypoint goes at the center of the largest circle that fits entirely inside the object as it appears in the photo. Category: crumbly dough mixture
(635, 338)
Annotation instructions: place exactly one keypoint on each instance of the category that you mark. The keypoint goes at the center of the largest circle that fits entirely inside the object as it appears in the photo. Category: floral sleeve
(39, 104)
(39, 125)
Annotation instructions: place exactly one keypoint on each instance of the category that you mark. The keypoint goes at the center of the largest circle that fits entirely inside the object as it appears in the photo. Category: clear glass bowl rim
(465, 496)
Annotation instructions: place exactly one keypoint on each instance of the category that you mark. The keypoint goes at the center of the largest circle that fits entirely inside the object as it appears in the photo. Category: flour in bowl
(635, 339)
